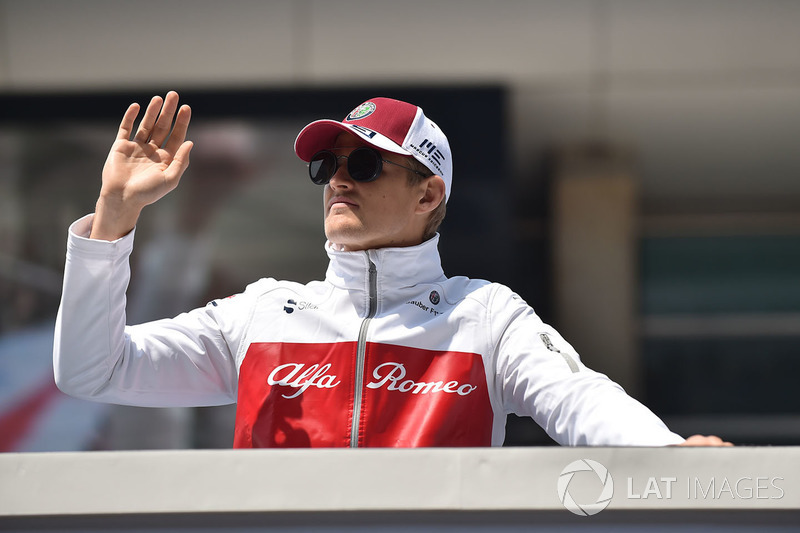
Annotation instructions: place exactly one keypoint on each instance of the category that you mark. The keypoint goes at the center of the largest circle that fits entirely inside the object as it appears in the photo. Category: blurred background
(630, 167)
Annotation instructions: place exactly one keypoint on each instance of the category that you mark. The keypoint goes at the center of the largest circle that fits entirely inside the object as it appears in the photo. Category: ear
(432, 195)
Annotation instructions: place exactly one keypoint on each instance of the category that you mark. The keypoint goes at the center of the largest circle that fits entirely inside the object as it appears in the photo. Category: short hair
(437, 215)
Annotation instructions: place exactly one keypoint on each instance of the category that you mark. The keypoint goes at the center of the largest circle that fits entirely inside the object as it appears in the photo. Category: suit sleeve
(541, 376)
(189, 360)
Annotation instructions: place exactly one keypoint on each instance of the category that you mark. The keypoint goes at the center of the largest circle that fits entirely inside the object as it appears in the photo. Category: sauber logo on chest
(389, 375)
(292, 304)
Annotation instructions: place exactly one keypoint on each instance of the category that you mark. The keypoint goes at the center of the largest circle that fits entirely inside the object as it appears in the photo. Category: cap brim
(321, 135)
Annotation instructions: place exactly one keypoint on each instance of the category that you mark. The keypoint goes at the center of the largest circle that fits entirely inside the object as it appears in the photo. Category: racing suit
(386, 351)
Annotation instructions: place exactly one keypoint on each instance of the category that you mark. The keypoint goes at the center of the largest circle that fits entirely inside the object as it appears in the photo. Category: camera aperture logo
(603, 499)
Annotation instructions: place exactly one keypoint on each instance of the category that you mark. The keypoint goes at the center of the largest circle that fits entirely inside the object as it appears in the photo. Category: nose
(341, 178)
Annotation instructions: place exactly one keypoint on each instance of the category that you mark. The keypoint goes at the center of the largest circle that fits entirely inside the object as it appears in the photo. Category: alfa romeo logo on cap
(434, 297)
(364, 110)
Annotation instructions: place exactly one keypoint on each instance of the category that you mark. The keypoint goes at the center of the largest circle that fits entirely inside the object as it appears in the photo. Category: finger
(179, 164)
(126, 126)
(150, 115)
(703, 440)
(178, 134)
(164, 122)
(713, 440)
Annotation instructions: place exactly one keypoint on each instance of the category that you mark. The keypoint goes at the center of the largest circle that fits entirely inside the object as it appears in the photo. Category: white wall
(706, 91)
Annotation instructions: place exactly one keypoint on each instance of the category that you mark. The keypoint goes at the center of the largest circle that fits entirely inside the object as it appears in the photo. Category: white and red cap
(387, 124)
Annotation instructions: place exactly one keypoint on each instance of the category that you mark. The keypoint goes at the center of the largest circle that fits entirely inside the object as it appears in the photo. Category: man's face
(376, 214)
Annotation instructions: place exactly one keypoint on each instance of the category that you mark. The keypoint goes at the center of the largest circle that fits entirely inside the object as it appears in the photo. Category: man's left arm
(542, 376)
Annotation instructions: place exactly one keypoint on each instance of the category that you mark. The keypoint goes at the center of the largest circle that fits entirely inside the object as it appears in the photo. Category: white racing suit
(386, 351)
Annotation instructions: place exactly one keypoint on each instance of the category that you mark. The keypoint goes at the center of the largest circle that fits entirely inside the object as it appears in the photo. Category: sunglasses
(363, 164)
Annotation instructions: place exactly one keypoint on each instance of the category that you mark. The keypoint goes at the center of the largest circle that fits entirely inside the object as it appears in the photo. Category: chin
(344, 234)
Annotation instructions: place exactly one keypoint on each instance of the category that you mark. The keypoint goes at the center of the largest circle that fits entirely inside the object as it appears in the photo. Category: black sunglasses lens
(364, 164)
(322, 167)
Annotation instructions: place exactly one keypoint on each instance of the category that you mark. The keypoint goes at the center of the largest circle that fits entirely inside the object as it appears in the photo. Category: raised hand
(141, 170)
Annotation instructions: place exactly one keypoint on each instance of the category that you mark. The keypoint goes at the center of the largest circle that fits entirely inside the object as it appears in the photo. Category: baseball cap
(387, 124)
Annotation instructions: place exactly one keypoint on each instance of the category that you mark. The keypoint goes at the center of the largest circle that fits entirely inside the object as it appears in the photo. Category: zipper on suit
(361, 351)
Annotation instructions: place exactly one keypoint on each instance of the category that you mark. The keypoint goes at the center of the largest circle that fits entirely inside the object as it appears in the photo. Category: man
(386, 351)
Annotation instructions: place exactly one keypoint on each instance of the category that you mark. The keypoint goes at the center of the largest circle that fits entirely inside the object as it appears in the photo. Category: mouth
(341, 201)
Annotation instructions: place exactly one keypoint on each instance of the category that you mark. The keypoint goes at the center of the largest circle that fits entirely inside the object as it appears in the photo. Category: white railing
(335, 488)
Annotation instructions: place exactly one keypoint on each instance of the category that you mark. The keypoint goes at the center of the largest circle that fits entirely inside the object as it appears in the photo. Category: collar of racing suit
(408, 266)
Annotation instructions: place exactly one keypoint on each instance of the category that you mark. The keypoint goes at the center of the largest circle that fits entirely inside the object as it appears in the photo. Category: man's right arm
(184, 361)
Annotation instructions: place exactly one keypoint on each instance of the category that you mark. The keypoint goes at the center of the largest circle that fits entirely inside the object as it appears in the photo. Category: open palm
(143, 167)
